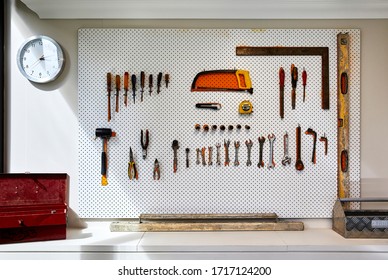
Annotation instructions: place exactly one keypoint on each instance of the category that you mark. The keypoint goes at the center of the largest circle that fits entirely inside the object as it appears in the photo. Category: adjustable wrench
(286, 158)
(236, 147)
(249, 145)
(271, 139)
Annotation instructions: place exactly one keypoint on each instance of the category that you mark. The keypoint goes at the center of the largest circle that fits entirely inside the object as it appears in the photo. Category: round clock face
(40, 59)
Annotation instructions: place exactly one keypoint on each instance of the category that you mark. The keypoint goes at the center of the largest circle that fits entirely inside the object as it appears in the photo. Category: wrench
(286, 158)
(218, 146)
(203, 151)
(226, 147)
(271, 139)
(261, 143)
(210, 156)
(236, 147)
(198, 152)
(249, 145)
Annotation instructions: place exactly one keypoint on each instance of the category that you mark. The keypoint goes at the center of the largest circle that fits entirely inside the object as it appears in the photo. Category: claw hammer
(105, 134)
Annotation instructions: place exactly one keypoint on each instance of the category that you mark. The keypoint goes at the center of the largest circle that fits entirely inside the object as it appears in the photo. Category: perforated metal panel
(172, 115)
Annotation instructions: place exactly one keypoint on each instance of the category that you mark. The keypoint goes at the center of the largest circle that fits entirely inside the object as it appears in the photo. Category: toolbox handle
(364, 199)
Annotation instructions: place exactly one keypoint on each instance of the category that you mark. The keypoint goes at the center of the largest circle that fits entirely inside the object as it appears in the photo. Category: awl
(294, 80)
(126, 87)
(117, 92)
(304, 80)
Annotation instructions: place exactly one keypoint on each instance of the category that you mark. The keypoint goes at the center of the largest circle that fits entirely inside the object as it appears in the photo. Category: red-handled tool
(150, 83)
(142, 81)
(281, 91)
(294, 80)
(304, 80)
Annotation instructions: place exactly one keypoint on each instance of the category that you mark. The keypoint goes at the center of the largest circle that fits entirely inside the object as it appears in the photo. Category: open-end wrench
(175, 147)
(218, 161)
(198, 153)
(203, 152)
(236, 147)
(261, 144)
(271, 139)
(210, 155)
(249, 145)
(286, 158)
(226, 148)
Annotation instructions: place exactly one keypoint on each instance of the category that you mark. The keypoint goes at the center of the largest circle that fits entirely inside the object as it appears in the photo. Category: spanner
(271, 139)
(226, 147)
(198, 153)
(286, 158)
(236, 147)
(218, 146)
(249, 145)
(261, 143)
(210, 155)
(203, 151)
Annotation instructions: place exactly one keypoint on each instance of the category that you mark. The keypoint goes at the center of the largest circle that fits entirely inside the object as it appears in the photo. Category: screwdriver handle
(142, 79)
(109, 82)
(304, 77)
(133, 81)
(126, 81)
(281, 76)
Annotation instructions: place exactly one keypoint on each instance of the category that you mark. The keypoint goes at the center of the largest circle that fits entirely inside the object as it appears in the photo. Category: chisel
(142, 80)
(133, 81)
(281, 91)
(109, 88)
(117, 92)
(126, 81)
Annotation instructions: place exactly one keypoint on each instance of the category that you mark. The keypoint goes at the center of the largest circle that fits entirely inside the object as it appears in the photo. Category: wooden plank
(210, 226)
(343, 103)
(201, 217)
(296, 51)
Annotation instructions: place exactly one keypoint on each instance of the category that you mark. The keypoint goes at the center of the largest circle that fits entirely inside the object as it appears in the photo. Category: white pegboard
(172, 115)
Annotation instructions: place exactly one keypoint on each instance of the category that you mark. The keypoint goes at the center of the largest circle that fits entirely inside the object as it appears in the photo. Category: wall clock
(40, 59)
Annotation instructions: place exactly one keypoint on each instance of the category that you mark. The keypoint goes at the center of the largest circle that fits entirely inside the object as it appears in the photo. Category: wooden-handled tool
(142, 82)
(281, 91)
(133, 81)
(109, 89)
(299, 164)
(126, 88)
(117, 92)
(159, 82)
(294, 80)
(314, 134)
(150, 83)
(304, 81)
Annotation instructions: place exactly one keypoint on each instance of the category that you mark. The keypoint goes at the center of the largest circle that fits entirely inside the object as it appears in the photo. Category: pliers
(132, 171)
(156, 170)
(144, 145)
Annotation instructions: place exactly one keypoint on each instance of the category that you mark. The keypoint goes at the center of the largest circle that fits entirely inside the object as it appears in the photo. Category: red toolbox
(33, 207)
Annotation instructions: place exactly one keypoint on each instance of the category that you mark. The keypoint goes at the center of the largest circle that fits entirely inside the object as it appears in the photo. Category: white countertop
(97, 242)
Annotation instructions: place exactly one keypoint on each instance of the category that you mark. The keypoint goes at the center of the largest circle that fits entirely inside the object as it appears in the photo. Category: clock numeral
(26, 66)
(32, 72)
(24, 58)
(40, 43)
(48, 73)
(33, 45)
(40, 74)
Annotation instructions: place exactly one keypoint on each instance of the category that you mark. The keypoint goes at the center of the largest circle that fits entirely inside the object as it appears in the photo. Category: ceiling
(209, 9)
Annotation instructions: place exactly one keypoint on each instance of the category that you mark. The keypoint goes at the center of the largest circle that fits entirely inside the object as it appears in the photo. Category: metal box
(360, 223)
(33, 207)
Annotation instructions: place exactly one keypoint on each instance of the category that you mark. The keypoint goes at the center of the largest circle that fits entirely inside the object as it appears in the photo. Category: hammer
(105, 134)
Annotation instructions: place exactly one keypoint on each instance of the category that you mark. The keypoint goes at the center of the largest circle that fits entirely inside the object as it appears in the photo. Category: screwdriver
(117, 92)
(304, 79)
(294, 80)
(167, 79)
(109, 89)
(142, 78)
(126, 81)
(150, 82)
(133, 81)
(159, 81)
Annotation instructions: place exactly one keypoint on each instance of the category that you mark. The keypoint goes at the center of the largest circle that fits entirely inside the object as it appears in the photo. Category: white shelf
(204, 9)
(97, 242)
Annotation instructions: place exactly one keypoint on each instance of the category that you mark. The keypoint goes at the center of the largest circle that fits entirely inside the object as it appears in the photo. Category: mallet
(105, 134)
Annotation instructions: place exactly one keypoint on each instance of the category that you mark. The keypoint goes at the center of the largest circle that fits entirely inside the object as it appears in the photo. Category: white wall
(42, 125)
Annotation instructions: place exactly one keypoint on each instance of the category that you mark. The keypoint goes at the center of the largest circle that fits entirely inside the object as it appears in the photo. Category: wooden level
(296, 51)
(206, 222)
